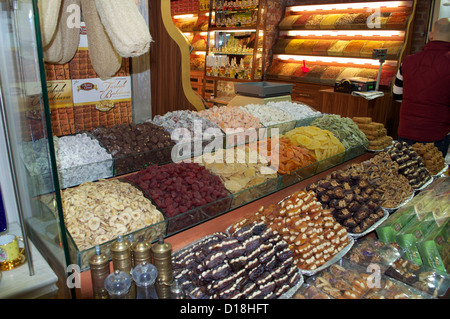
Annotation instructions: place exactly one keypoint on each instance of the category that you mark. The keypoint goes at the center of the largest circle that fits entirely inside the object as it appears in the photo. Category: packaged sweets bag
(387, 231)
(415, 231)
(441, 209)
(422, 202)
(434, 249)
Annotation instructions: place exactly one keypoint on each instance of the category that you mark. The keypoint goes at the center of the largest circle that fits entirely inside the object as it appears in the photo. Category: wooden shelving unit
(249, 56)
(336, 41)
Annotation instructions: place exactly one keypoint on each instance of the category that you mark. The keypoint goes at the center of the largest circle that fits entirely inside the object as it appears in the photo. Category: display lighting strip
(184, 16)
(236, 30)
(339, 33)
(203, 33)
(309, 58)
(187, 16)
(344, 6)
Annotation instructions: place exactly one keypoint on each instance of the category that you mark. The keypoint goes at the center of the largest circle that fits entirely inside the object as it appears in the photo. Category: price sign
(379, 54)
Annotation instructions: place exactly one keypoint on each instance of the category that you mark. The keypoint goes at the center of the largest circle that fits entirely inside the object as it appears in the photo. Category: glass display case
(35, 132)
(26, 121)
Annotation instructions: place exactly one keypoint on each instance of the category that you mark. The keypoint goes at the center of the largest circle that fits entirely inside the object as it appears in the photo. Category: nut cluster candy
(352, 199)
(135, 145)
(393, 187)
(432, 158)
(250, 263)
(409, 164)
(311, 232)
(97, 212)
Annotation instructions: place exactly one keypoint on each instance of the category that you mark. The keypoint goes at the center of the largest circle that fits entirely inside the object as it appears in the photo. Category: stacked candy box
(375, 132)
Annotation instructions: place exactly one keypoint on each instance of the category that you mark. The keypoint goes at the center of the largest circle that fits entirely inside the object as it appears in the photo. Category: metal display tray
(263, 89)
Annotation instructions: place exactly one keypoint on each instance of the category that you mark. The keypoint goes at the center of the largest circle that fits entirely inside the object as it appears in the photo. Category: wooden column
(169, 63)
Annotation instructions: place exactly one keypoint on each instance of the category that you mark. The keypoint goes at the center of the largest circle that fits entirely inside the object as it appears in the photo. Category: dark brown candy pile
(393, 187)
(135, 145)
(251, 263)
(354, 202)
(410, 164)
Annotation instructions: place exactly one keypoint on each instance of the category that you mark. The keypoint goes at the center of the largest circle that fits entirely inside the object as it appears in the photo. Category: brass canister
(99, 265)
(121, 259)
(121, 254)
(142, 252)
(162, 259)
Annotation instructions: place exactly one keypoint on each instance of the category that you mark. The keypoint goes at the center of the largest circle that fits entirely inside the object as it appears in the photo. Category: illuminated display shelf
(338, 39)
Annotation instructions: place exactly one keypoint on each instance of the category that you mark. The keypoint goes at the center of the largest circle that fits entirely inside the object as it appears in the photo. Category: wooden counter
(347, 105)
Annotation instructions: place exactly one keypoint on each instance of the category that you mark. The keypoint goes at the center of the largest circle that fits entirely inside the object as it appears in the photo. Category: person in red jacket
(422, 86)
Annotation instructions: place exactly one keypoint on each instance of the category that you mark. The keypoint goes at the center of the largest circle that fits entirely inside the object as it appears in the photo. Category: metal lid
(120, 245)
(98, 258)
(141, 246)
(161, 247)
